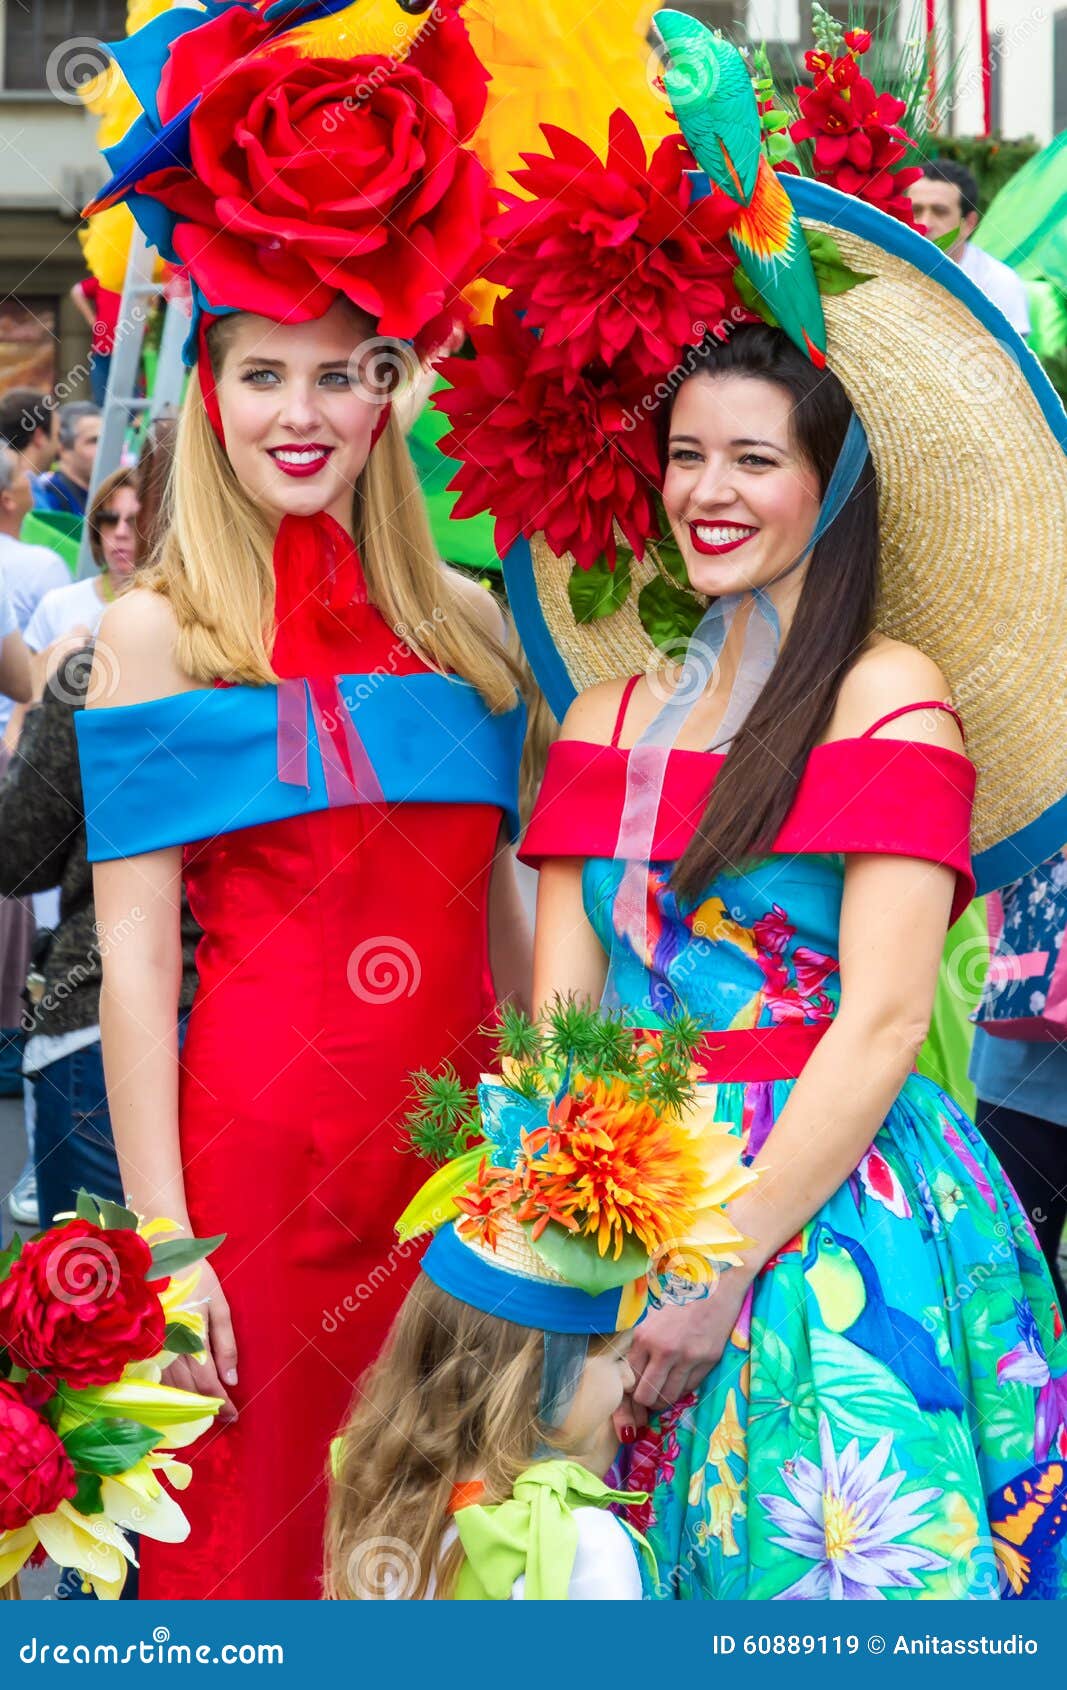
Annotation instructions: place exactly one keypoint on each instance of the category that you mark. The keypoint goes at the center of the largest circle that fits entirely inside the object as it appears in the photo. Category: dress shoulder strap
(627, 693)
(906, 710)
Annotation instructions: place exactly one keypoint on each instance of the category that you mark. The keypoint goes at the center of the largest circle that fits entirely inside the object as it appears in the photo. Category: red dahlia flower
(547, 448)
(36, 1474)
(858, 144)
(76, 1304)
(611, 257)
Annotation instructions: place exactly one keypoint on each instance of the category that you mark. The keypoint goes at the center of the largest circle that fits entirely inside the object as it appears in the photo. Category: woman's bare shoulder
(594, 713)
(890, 675)
(135, 651)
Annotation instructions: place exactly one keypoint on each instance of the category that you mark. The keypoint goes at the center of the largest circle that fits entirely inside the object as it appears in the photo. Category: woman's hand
(676, 1347)
(210, 1377)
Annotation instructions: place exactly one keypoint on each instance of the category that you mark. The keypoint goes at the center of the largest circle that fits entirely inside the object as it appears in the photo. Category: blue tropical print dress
(889, 1419)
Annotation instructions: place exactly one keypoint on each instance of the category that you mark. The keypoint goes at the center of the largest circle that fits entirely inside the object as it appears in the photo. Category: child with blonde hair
(472, 1465)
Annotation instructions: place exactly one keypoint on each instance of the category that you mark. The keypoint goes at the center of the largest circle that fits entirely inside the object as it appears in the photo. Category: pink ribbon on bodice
(346, 765)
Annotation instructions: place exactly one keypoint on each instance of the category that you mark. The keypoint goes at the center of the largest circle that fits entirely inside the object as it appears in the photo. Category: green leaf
(862, 1397)
(10, 1256)
(599, 591)
(668, 614)
(86, 1208)
(109, 1446)
(87, 1498)
(434, 1203)
(179, 1253)
(751, 298)
(665, 549)
(181, 1340)
(581, 1264)
(114, 1215)
(831, 272)
(947, 242)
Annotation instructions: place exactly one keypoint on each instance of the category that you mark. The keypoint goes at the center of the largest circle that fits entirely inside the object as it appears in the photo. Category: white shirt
(999, 283)
(29, 572)
(8, 620)
(605, 1564)
(61, 610)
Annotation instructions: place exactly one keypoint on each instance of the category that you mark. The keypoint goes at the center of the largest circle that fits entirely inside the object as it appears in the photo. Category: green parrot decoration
(709, 86)
(851, 1302)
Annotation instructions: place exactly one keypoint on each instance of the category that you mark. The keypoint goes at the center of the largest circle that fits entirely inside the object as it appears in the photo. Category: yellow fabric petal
(94, 1546)
(156, 1516)
(15, 1547)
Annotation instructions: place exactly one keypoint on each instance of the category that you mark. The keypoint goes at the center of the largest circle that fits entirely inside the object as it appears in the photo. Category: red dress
(341, 949)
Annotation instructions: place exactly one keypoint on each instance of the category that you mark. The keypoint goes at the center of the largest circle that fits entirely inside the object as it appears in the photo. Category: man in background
(28, 423)
(66, 488)
(945, 198)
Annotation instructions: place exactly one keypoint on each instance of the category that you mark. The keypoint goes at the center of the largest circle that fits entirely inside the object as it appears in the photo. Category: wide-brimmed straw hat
(969, 441)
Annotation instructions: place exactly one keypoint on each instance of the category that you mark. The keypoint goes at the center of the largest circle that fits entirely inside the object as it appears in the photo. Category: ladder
(121, 403)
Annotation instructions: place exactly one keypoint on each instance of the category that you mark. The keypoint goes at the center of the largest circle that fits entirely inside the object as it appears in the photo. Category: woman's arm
(15, 679)
(510, 938)
(894, 918)
(138, 912)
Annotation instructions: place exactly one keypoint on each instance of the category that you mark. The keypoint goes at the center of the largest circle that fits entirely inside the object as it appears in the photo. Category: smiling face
(741, 498)
(298, 406)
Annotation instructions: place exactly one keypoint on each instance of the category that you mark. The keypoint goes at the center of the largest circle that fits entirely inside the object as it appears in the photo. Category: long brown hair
(454, 1392)
(834, 617)
(119, 478)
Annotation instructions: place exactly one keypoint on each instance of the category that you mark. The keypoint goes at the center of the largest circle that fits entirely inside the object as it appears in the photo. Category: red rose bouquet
(91, 1312)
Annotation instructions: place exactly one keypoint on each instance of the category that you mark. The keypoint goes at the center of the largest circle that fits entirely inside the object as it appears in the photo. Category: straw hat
(968, 439)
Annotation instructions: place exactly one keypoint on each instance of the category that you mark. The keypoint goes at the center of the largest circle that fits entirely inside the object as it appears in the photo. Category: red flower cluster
(613, 272)
(310, 177)
(858, 144)
(76, 1304)
(36, 1474)
(611, 258)
(546, 447)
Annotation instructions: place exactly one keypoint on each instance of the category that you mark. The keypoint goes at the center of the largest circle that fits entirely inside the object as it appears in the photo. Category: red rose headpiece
(280, 180)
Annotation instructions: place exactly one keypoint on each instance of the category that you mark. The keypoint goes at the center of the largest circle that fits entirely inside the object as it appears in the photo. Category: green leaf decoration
(831, 272)
(434, 1203)
(445, 1117)
(665, 550)
(668, 614)
(109, 1446)
(115, 1216)
(864, 1398)
(177, 1254)
(10, 1256)
(517, 1036)
(181, 1340)
(87, 1498)
(581, 1264)
(947, 242)
(598, 592)
(87, 1208)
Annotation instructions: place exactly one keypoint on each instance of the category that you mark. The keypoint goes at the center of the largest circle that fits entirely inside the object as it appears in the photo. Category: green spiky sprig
(446, 1119)
(517, 1036)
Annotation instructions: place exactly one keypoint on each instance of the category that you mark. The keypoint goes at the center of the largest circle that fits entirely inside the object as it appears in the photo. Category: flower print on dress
(651, 1460)
(793, 982)
(881, 1182)
(1027, 1363)
(846, 1517)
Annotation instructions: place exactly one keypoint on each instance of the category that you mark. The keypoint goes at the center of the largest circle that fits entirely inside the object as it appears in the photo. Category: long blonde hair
(454, 1392)
(214, 564)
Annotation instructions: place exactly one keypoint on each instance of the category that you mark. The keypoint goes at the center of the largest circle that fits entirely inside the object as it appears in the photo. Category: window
(34, 30)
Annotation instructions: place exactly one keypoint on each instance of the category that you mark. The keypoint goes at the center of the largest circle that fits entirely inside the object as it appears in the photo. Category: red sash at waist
(760, 1053)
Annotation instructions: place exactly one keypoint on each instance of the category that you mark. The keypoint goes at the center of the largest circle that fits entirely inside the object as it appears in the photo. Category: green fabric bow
(535, 1533)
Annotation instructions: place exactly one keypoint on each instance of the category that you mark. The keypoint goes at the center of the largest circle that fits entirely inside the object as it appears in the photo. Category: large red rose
(76, 1304)
(610, 257)
(548, 449)
(35, 1471)
(311, 177)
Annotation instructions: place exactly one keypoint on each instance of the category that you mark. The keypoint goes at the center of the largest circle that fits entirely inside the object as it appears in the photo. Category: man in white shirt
(28, 571)
(945, 198)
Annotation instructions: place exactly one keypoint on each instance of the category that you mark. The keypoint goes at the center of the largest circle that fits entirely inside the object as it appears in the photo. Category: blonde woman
(327, 721)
